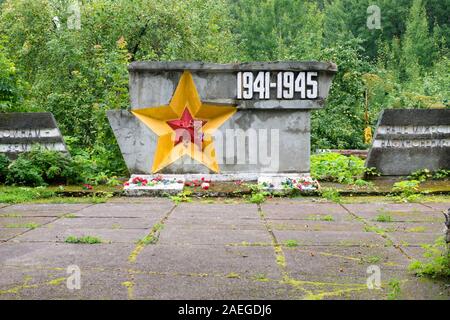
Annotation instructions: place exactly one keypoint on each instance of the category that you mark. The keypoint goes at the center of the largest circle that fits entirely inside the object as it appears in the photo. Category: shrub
(53, 166)
(406, 188)
(4, 163)
(336, 167)
(438, 265)
(24, 172)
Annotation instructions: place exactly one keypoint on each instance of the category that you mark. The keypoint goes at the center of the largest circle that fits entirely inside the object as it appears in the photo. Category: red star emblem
(187, 125)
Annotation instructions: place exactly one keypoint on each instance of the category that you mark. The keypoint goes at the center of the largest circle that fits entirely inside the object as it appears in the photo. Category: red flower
(87, 187)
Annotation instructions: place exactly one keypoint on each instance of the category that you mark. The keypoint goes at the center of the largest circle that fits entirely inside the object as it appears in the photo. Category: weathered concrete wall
(283, 124)
(407, 140)
(19, 131)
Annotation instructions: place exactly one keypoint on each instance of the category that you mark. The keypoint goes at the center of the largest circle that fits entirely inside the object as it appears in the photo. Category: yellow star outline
(185, 96)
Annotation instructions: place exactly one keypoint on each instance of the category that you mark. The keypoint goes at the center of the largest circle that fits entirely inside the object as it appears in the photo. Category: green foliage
(394, 289)
(79, 74)
(291, 243)
(425, 174)
(24, 172)
(22, 194)
(83, 240)
(337, 168)
(331, 194)
(183, 196)
(39, 167)
(406, 188)
(258, 195)
(438, 264)
(383, 218)
(320, 217)
(30, 225)
(4, 163)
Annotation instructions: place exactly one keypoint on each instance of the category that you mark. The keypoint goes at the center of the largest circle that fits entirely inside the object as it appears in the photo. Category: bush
(438, 264)
(24, 172)
(53, 166)
(4, 163)
(40, 167)
(336, 167)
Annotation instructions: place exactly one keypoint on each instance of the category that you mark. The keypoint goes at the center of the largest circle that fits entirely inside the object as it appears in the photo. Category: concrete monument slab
(19, 131)
(407, 140)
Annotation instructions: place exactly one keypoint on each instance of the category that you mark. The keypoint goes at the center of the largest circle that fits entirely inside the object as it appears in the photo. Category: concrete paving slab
(443, 206)
(413, 238)
(206, 288)
(380, 206)
(411, 227)
(245, 261)
(52, 284)
(223, 211)
(106, 223)
(338, 268)
(61, 255)
(306, 225)
(414, 215)
(119, 210)
(59, 234)
(26, 222)
(40, 210)
(304, 211)
(8, 233)
(348, 238)
(172, 234)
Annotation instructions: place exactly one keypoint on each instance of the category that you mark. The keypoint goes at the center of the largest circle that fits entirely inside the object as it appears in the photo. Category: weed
(183, 196)
(320, 217)
(83, 240)
(331, 194)
(416, 229)
(407, 191)
(383, 218)
(261, 277)
(291, 243)
(70, 216)
(233, 275)
(438, 264)
(394, 289)
(372, 259)
(30, 225)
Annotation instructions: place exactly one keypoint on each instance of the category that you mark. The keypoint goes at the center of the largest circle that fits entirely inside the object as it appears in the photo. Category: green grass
(29, 225)
(83, 240)
(437, 264)
(21, 194)
(383, 218)
(291, 243)
(320, 217)
(69, 216)
(394, 289)
(372, 259)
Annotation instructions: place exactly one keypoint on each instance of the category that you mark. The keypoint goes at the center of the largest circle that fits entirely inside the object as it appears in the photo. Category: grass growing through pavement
(30, 225)
(438, 261)
(152, 237)
(331, 194)
(394, 289)
(291, 243)
(320, 217)
(83, 240)
(383, 218)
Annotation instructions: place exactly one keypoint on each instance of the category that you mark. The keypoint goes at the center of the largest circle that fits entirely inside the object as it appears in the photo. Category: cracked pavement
(281, 249)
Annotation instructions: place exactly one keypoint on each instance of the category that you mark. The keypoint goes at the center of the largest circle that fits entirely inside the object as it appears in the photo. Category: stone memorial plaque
(19, 131)
(227, 120)
(407, 140)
